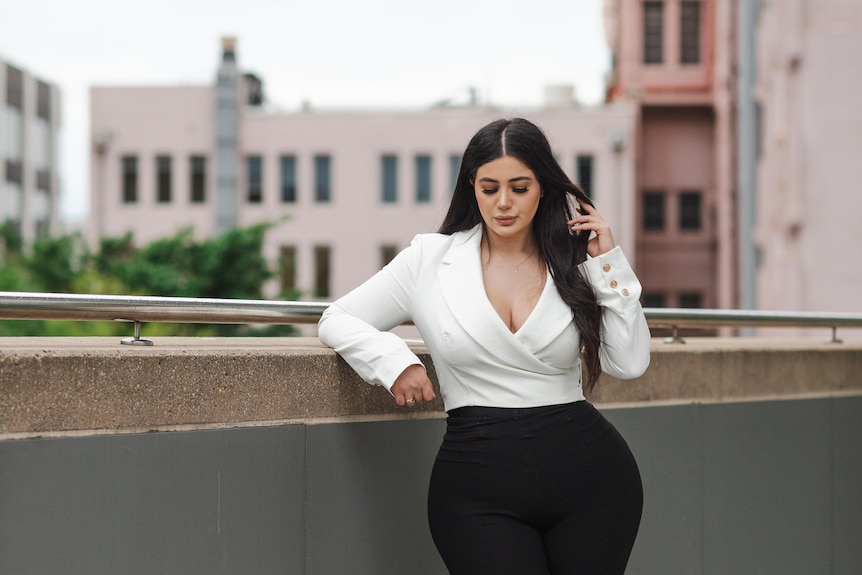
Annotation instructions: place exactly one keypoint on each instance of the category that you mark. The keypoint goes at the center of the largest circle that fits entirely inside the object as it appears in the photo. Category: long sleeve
(356, 325)
(625, 346)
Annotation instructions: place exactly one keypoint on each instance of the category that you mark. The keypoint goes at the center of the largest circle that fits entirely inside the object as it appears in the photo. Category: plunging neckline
(532, 312)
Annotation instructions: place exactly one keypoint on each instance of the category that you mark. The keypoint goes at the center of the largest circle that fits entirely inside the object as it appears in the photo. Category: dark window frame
(690, 300)
(389, 179)
(14, 87)
(424, 165)
(654, 299)
(690, 211)
(129, 182)
(322, 271)
(653, 32)
(43, 100)
(164, 176)
(654, 210)
(287, 175)
(323, 178)
(585, 170)
(197, 179)
(690, 32)
(254, 179)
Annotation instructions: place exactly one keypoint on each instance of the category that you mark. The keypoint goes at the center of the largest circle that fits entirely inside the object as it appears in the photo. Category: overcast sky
(331, 53)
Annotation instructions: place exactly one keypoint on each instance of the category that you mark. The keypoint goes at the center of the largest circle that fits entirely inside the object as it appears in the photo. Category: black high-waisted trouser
(542, 490)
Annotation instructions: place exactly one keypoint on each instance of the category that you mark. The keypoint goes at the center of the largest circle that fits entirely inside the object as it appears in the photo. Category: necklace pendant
(515, 268)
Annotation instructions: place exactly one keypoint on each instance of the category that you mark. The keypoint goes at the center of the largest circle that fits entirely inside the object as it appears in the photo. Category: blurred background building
(29, 148)
(808, 148)
(674, 61)
(348, 188)
(725, 158)
(749, 142)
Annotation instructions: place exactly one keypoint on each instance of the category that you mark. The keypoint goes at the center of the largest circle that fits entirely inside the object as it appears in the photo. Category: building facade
(809, 155)
(673, 60)
(347, 189)
(29, 153)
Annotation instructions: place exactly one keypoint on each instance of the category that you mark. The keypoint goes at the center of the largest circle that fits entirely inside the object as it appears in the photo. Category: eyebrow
(512, 180)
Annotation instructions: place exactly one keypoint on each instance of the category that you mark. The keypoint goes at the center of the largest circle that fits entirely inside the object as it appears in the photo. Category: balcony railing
(140, 309)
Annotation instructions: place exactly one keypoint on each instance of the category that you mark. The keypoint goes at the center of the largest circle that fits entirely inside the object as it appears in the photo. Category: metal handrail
(138, 309)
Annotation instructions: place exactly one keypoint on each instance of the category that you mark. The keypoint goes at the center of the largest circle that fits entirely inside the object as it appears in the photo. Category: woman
(513, 294)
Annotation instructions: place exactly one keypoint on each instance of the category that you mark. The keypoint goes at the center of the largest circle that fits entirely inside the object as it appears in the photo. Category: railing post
(136, 340)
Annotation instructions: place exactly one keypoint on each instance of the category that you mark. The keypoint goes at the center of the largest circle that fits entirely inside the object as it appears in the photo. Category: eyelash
(516, 190)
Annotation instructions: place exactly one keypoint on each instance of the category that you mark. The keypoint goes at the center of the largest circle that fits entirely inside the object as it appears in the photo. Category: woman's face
(507, 193)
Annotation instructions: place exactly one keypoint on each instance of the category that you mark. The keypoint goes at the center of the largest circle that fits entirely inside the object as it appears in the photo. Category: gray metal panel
(228, 501)
(666, 442)
(367, 493)
(767, 474)
(847, 485)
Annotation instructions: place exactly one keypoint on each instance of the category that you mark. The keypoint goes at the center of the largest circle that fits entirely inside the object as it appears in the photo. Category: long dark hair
(558, 247)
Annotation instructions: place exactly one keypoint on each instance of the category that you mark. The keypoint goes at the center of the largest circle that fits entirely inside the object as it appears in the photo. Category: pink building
(750, 140)
(807, 87)
(673, 59)
(349, 188)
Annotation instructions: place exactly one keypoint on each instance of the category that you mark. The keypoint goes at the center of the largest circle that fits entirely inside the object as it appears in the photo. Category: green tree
(229, 266)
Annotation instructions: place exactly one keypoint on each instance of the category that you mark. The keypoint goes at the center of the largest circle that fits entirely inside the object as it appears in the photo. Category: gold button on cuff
(625, 291)
(613, 284)
(606, 267)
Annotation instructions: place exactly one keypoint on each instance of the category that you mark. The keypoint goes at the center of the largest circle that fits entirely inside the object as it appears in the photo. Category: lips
(505, 220)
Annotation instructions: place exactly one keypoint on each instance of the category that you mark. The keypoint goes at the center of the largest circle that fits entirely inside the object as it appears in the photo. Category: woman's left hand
(590, 220)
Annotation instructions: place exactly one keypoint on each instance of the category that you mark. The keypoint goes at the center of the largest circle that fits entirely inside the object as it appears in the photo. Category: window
(287, 268)
(254, 179)
(454, 169)
(653, 32)
(14, 133)
(653, 211)
(198, 171)
(130, 179)
(43, 101)
(163, 179)
(423, 179)
(321, 271)
(689, 27)
(288, 179)
(654, 299)
(691, 300)
(14, 87)
(322, 179)
(387, 254)
(690, 211)
(13, 171)
(43, 180)
(585, 173)
(389, 179)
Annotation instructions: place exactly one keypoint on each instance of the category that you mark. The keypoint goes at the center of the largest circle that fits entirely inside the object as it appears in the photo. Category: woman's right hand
(413, 387)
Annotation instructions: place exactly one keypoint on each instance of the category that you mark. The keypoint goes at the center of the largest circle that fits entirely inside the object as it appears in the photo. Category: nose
(504, 199)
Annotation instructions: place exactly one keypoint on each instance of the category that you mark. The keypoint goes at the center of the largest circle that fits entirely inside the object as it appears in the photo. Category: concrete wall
(271, 457)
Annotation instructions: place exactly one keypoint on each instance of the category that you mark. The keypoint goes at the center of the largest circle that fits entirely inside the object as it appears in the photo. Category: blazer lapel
(462, 286)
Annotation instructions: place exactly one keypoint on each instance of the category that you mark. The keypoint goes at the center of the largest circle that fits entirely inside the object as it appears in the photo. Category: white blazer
(437, 283)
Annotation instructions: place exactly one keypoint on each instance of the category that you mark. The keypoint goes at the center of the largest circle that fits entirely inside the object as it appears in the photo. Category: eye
(489, 191)
(520, 190)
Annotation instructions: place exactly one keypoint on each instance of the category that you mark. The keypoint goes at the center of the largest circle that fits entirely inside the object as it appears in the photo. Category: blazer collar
(463, 288)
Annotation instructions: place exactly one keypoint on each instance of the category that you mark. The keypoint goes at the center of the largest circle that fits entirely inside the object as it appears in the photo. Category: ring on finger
(410, 401)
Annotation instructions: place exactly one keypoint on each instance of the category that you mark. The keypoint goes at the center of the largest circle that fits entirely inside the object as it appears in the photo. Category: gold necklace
(515, 267)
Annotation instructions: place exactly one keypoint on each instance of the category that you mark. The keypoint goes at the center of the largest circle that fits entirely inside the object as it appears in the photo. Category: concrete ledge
(50, 385)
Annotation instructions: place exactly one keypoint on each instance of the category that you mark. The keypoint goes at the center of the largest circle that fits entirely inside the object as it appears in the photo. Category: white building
(29, 174)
